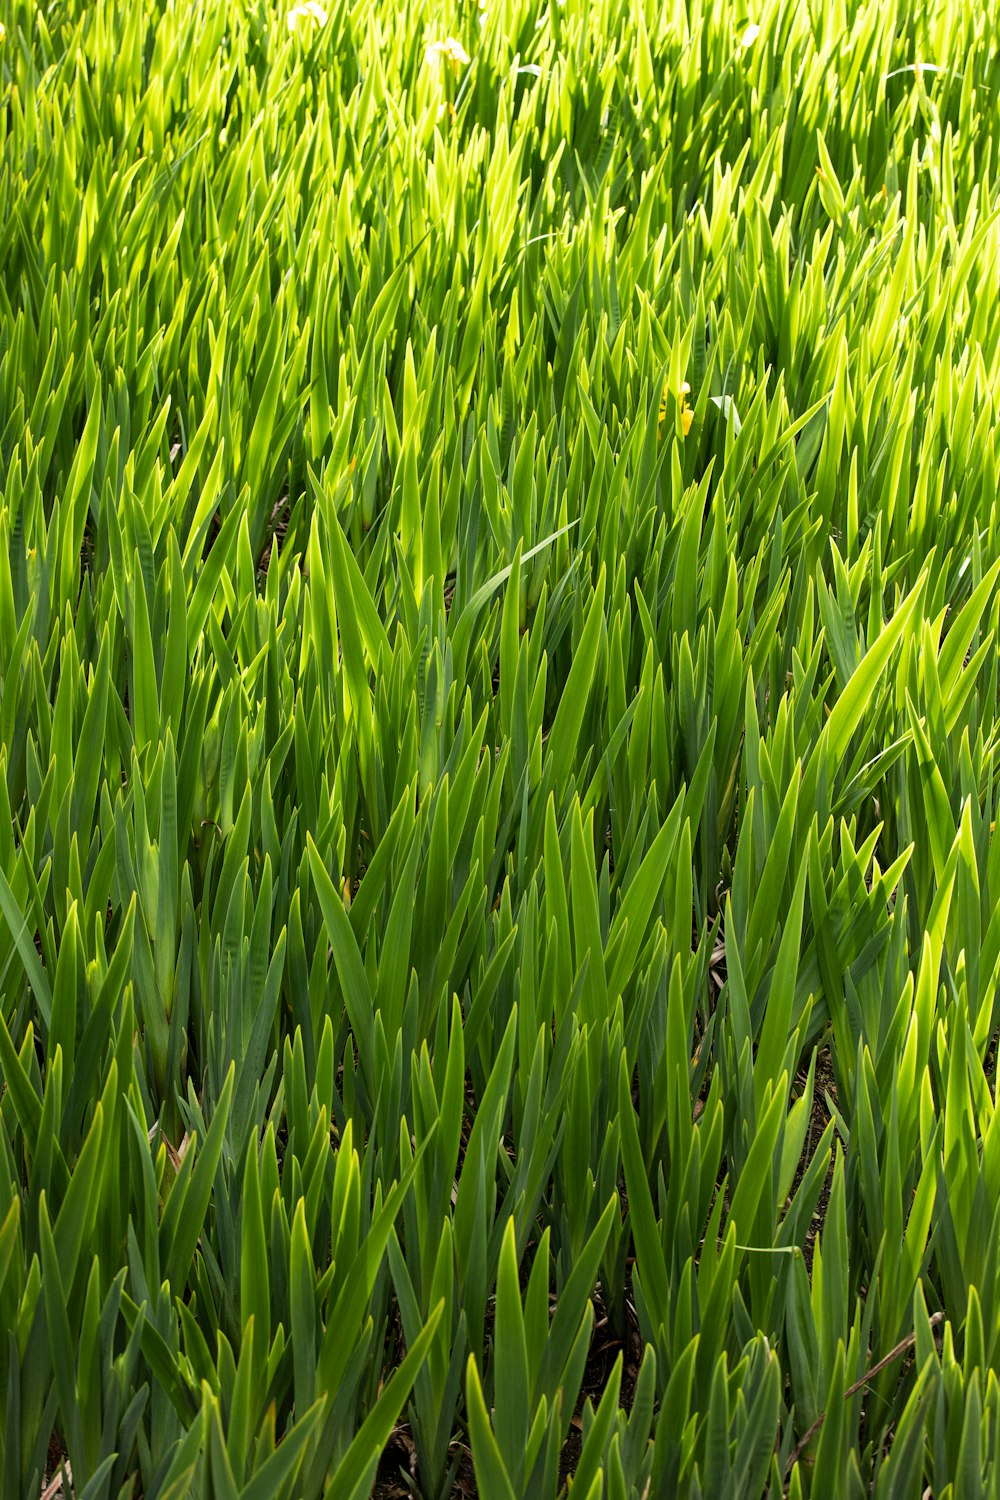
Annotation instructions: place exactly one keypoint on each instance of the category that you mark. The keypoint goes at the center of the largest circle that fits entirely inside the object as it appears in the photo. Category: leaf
(358, 1463)
(346, 958)
(21, 932)
(565, 733)
(180, 1228)
(491, 1475)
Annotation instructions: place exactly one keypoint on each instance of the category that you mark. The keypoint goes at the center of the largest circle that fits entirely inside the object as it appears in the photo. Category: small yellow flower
(306, 15)
(687, 416)
(450, 51)
(3, 32)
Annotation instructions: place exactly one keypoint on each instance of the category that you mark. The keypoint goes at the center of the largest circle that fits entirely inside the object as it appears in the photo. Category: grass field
(499, 721)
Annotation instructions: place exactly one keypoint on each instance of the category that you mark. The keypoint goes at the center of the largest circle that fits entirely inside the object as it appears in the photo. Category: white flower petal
(309, 13)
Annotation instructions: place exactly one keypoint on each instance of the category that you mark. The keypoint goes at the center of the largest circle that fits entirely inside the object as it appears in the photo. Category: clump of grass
(498, 729)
